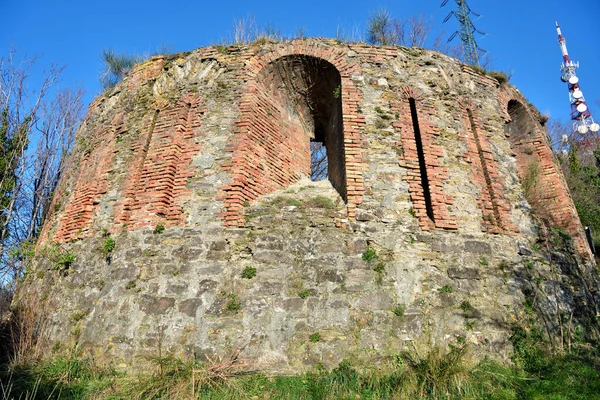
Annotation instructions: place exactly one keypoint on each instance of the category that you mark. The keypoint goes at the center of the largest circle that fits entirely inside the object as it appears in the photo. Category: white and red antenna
(580, 113)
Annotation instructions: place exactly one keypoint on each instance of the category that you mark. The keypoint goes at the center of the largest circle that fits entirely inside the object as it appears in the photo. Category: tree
(37, 129)
(383, 29)
(116, 66)
(580, 160)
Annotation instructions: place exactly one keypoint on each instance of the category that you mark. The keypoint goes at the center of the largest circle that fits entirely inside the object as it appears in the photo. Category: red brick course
(155, 188)
(433, 155)
(91, 182)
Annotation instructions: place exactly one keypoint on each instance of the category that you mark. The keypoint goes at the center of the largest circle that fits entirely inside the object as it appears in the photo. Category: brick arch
(264, 128)
(543, 181)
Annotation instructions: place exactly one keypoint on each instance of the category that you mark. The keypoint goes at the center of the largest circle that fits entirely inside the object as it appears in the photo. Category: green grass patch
(435, 374)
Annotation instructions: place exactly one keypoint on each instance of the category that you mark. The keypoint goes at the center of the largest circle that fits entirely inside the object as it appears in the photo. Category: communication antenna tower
(470, 48)
(580, 113)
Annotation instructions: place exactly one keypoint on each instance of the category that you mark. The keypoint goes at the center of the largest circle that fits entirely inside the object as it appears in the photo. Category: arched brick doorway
(295, 96)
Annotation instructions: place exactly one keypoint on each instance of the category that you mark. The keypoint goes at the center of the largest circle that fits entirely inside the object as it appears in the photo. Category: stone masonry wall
(214, 147)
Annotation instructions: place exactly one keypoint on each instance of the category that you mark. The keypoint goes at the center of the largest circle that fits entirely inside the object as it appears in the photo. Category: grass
(321, 202)
(437, 374)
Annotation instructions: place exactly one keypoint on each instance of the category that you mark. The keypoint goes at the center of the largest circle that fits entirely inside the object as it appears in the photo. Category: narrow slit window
(421, 156)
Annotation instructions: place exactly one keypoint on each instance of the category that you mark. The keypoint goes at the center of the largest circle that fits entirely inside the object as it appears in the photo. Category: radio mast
(580, 113)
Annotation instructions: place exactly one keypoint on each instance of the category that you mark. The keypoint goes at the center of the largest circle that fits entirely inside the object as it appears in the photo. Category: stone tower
(196, 168)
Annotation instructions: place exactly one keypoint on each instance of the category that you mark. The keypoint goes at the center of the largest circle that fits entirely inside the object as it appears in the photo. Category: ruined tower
(196, 168)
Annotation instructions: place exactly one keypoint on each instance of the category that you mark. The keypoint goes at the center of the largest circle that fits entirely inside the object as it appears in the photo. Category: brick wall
(495, 208)
(438, 216)
(156, 181)
(270, 151)
(91, 181)
(547, 192)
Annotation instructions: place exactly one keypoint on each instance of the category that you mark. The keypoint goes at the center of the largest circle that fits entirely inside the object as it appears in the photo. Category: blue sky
(521, 34)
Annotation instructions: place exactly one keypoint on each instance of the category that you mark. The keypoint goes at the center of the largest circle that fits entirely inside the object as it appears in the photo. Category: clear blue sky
(521, 34)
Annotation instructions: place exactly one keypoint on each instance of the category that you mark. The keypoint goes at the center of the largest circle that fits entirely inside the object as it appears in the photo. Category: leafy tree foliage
(584, 181)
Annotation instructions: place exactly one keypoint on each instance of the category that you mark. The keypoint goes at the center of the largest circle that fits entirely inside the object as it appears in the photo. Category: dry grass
(28, 328)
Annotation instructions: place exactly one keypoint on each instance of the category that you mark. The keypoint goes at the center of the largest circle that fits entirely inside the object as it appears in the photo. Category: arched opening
(303, 96)
(294, 96)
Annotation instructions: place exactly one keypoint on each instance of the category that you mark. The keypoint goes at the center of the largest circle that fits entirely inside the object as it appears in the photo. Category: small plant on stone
(460, 339)
(483, 261)
(159, 229)
(249, 272)
(304, 293)
(337, 92)
(488, 218)
(131, 284)
(64, 261)
(234, 303)
(399, 310)
(446, 289)
(466, 306)
(528, 307)
(503, 265)
(470, 326)
(78, 315)
(108, 246)
(530, 264)
(379, 268)
(369, 254)
(315, 337)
